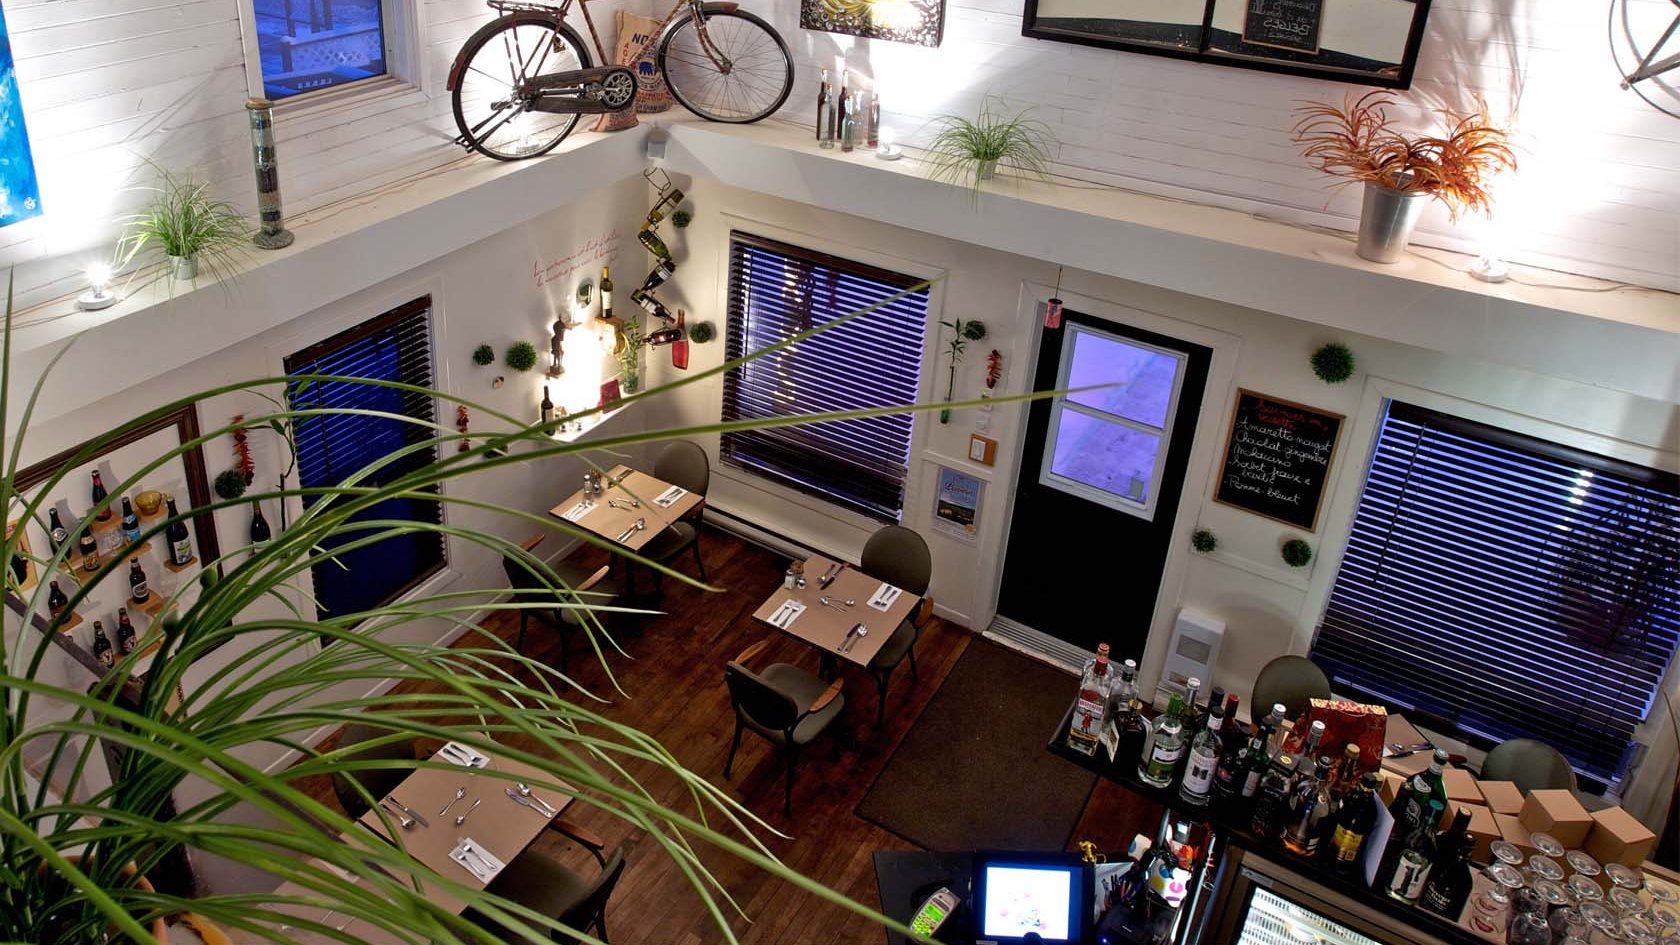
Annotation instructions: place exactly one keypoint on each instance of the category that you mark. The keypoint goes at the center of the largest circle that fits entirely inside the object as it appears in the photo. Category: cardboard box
(1502, 797)
(1391, 783)
(1557, 812)
(1511, 830)
(1618, 837)
(1461, 788)
(1483, 828)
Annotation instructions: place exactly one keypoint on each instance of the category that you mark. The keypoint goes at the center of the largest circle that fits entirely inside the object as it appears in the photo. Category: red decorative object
(1344, 722)
(994, 368)
(1053, 308)
(679, 348)
(461, 423)
(609, 392)
(242, 450)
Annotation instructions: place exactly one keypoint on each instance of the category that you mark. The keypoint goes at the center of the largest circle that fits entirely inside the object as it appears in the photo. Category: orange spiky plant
(1357, 141)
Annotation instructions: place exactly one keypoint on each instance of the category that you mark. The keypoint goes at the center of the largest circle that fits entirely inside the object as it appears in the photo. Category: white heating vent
(1042, 645)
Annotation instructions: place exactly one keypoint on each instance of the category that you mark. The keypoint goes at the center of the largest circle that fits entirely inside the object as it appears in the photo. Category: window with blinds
(332, 448)
(1506, 587)
(777, 291)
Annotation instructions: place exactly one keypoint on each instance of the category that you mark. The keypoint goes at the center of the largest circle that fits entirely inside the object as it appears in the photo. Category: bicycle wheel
(737, 69)
(494, 117)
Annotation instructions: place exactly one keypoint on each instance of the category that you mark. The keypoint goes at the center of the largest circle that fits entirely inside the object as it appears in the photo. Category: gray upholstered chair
(1532, 765)
(530, 583)
(376, 781)
(900, 557)
(786, 705)
(538, 882)
(1293, 681)
(681, 463)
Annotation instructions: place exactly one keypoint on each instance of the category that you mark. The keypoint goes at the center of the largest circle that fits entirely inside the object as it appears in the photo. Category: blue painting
(20, 192)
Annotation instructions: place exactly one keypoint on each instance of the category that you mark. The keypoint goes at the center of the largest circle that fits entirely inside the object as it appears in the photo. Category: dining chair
(786, 705)
(529, 583)
(350, 783)
(1532, 765)
(681, 463)
(539, 882)
(1291, 680)
(900, 557)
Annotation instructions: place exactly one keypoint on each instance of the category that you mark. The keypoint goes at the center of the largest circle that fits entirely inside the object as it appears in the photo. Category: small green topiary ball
(702, 332)
(974, 330)
(521, 356)
(681, 219)
(230, 484)
(1203, 540)
(1333, 363)
(1297, 553)
(484, 355)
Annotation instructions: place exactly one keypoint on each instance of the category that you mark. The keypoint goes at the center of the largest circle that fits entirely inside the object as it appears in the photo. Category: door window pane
(1111, 457)
(1143, 378)
(308, 45)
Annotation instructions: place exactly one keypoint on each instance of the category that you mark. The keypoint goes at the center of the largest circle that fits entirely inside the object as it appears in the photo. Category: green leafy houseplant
(629, 353)
(682, 218)
(73, 845)
(230, 484)
(702, 332)
(1333, 363)
(965, 153)
(1204, 540)
(962, 332)
(484, 356)
(1297, 553)
(187, 223)
(521, 356)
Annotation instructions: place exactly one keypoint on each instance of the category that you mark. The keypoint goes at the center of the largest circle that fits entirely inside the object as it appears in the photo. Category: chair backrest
(900, 557)
(757, 699)
(523, 571)
(1532, 765)
(1292, 680)
(594, 903)
(378, 782)
(682, 463)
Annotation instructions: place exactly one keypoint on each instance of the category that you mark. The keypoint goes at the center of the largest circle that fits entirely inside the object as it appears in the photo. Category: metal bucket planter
(985, 170)
(183, 268)
(1386, 221)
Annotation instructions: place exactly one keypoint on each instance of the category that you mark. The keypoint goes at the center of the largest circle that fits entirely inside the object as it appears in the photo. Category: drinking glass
(1584, 889)
(1492, 904)
(1661, 893)
(1569, 926)
(1625, 902)
(1581, 863)
(1605, 926)
(1542, 867)
(1666, 920)
(1546, 844)
(1636, 931)
(1504, 851)
(1624, 877)
(1528, 928)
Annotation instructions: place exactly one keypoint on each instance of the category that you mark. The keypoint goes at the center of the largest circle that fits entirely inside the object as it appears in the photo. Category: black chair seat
(673, 541)
(896, 648)
(803, 688)
(540, 883)
(604, 592)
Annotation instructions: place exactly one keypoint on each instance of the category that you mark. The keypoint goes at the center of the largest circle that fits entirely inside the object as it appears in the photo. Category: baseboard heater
(766, 538)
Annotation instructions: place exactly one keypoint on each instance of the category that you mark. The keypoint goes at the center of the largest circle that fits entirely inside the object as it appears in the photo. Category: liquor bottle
(1416, 854)
(1130, 727)
(1275, 730)
(88, 546)
(606, 296)
(56, 601)
(180, 546)
(547, 407)
(1187, 711)
(663, 336)
(1232, 771)
(1436, 774)
(260, 534)
(1309, 746)
(1216, 703)
(1411, 805)
(848, 122)
(104, 514)
(842, 102)
(1203, 766)
(1271, 801)
(679, 344)
(125, 632)
(57, 534)
(1353, 824)
(1308, 806)
(137, 589)
(1450, 879)
(873, 138)
(102, 650)
(130, 522)
(1164, 747)
(1234, 733)
(1347, 773)
(1254, 765)
(825, 113)
(1090, 708)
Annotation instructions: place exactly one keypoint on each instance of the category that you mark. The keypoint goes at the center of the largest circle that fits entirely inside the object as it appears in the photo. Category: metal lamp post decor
(272, 234)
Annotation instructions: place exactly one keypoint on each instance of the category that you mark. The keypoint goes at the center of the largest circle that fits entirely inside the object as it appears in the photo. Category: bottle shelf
(70, 623)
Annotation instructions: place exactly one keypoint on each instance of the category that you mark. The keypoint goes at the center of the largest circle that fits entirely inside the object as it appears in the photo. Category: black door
(1090, 530)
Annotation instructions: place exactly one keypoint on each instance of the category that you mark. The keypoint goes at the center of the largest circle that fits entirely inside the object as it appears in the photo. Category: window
(1507, 587)
(777, 291)
(1107, 445)
(395, 346)
(307, 45)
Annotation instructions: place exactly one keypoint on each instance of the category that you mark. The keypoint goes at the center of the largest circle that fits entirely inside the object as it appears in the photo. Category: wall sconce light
(99, 294)
(889, 149)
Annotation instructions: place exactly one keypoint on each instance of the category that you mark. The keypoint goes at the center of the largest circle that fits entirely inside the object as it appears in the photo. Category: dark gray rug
(973, 772)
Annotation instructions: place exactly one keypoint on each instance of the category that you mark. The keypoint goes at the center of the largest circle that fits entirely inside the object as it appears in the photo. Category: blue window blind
(334, 447)
(306, 45)
(1507, 587)
(776, 291)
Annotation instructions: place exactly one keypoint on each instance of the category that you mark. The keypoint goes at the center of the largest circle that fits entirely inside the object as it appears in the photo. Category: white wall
(1599, 186)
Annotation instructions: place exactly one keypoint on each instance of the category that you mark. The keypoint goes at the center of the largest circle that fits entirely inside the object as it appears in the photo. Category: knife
(832, 573)
(409, 811)
(849, 639)
(521, 799)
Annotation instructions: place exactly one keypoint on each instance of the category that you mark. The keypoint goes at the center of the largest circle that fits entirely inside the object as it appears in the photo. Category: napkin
(476, 860)
(578, 511)
(669, 497)
(884, 596)
(458, 754)
(786, 614)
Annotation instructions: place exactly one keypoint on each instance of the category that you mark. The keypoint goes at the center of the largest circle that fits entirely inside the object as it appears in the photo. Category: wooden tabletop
(626, 484)
(825, 627)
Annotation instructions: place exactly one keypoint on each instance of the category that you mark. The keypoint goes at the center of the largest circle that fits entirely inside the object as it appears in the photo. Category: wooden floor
(677, 694)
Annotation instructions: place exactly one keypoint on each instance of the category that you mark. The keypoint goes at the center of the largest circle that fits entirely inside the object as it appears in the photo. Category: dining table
(841, 611)
(502, 805)
(633, 508)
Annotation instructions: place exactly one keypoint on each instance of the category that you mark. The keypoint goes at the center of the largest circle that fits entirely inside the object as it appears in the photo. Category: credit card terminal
(934, 911)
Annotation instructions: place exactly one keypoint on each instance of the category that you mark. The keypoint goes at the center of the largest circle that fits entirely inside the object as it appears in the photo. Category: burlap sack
(635, 33)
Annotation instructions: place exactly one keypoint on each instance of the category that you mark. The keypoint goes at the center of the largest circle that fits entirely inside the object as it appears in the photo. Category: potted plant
(962, 332)
(187, 224)
(1358, 141)
(629, 353)
(965, 152)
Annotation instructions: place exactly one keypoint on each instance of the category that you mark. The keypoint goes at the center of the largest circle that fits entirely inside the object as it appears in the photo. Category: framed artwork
(20, 193)
(921, 22)
(956, 506)
(1369, 42)
(170, 586)
(1277, 459)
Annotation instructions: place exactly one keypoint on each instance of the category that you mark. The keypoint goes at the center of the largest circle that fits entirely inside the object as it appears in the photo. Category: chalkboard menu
(1277, 458)
(1286, 24)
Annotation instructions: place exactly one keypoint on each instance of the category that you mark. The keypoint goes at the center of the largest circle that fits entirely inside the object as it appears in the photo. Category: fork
(460, 792)
(542, 805)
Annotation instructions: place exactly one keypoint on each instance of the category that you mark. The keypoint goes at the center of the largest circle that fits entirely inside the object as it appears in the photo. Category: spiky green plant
(960, 148)
(277, 680)
(186, 219)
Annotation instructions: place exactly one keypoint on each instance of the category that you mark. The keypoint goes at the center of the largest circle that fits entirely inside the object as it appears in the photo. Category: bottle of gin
(1165, 747)
(1130, 727)
(1205, 750)
(825, 113)
(1090, 708)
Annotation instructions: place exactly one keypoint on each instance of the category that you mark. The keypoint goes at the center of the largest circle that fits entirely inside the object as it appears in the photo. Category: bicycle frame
(696, 12)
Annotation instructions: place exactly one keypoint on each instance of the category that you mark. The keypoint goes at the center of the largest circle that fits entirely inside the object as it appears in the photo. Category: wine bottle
(1416, 855)
(825, 113)
(56, 532)
(137, 588)
(873, 127)
(180, 545)
(547, 407)
(88, 547)
(102, 650)
(1450, 879)
(841, 103)
(56, 601)
(606, 295)
(130, 522)
(679, 345)
(260, 534)
(20, 569)
(125, 632)
(104, 514)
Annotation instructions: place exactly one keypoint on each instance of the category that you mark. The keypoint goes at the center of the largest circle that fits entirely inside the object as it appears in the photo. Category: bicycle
(521, 83)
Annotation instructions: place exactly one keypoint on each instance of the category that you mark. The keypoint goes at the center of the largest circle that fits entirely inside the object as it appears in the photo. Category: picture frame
(1365, 42)
(1277, 459)
(919, 22)
(956, 504)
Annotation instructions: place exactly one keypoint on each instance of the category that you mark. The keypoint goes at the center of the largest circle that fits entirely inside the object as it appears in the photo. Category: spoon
(525, 790)
(460, 792)
(463, 818)
(836, 602)
(403, 820)
(640, 524)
